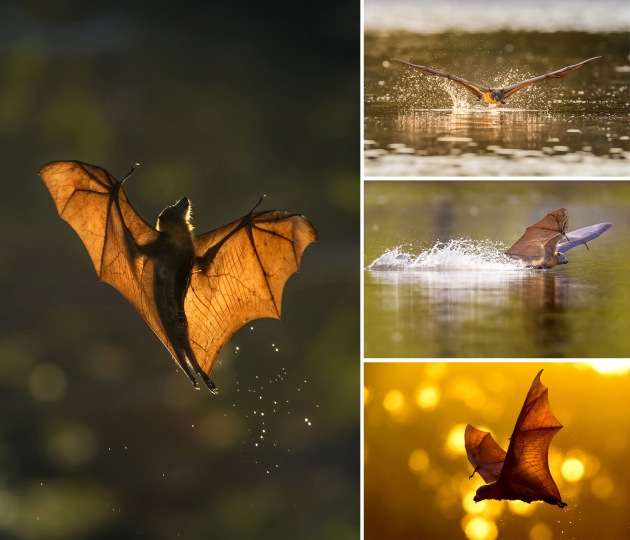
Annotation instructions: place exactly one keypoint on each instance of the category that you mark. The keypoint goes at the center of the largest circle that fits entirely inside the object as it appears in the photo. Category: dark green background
(100, 437)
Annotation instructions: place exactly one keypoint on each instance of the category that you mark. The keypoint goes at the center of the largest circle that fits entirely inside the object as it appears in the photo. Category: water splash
(461, 254)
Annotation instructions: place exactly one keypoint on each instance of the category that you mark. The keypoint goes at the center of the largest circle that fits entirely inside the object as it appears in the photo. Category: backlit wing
(239, 275)
(477, 90)
(559, 73)
(581, 236)
(484, 454)
(540, 239)
(526, 467)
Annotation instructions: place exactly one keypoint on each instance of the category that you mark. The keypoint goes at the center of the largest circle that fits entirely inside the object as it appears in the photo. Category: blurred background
(100, 436)
(416, 468)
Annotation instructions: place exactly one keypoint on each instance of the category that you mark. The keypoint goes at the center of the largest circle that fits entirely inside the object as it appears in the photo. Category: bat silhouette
(193, 291)
(523, 472)
(495, 96)
(545, 242)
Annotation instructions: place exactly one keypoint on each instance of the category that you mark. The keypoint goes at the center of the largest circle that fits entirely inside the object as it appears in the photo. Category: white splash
(462, 254)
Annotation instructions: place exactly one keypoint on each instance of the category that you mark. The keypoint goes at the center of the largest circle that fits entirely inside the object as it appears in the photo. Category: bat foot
(211, 386)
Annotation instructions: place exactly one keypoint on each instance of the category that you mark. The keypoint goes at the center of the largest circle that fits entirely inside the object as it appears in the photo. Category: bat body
(193, 291)
(524, 472)
(545, 243)
(495, 96)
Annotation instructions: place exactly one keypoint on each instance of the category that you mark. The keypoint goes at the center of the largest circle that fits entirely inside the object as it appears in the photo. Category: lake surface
(428, 126)
(438, 285)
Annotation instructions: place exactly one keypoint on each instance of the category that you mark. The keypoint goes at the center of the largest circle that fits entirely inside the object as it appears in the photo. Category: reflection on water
(417, 474)
(436, 309)
(427, 126)
(503, 142)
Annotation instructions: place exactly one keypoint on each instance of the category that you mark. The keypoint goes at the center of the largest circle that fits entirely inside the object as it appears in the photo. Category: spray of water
(461, 254)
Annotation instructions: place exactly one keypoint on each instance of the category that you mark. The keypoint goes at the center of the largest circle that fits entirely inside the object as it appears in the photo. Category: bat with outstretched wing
(193, 291)
(523, 474)
(545, 243)
(537, 247)
(581, 236)
(495, 96)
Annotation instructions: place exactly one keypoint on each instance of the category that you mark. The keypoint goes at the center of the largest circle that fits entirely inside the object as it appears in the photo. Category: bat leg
(181, 360)
(190, 355)
(473, 473)
(211, 386)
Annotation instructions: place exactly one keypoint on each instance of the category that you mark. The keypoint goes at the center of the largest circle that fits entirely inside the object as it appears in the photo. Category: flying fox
(545, 243)
(496, 96)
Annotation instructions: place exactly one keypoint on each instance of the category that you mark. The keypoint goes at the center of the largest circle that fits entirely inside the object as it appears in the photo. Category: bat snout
(561, 258)
(175, 215)
(497, 95)
(183, 204)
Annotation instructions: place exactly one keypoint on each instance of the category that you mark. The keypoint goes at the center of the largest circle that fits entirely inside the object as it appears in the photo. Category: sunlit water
(461, 299)
(435, 287)
(427, 126)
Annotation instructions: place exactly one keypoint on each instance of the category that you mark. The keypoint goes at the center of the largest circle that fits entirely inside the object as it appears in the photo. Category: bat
(193, 291)
(545, 243)
(523, 472)
(495, 96)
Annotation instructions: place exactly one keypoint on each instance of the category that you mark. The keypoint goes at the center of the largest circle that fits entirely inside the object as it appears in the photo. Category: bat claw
(133, 168)
(211, 386)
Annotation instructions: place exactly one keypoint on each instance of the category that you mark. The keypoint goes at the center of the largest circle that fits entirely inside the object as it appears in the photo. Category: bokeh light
(479, 528)
(540, 531)
(427, 396)
(419, 458)
(602, 487)
(572, 469)
(394, 401)
(610, 366)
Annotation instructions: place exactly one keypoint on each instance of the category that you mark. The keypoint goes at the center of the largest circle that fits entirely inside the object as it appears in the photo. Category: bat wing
(484, 454)
(525, 474)
(93, 202)
(239, 274)
(559, 73)
(539, 242)
(475, 89)
(581, 236)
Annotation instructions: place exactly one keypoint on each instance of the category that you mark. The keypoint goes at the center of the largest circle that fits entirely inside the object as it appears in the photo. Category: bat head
(560, 258)
(497, 96)
(489, 491)
(175, 217)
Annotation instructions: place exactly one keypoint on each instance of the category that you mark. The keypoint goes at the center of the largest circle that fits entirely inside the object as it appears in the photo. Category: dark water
(427, 126)
(464, 300)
